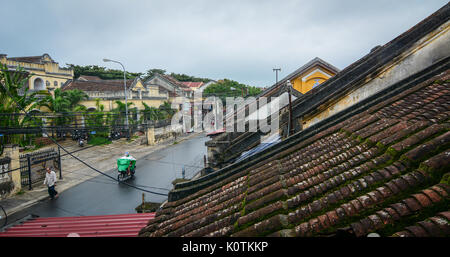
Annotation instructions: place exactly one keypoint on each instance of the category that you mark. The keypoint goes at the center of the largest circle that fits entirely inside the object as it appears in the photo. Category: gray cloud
(240, 40)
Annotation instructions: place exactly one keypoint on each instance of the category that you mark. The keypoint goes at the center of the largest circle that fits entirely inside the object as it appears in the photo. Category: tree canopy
(101, 72)
(180, 77)
(230, 88)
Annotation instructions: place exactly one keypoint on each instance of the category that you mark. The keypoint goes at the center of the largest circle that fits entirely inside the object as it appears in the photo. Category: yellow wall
(305, 81)
(137, 102)
(49, 72)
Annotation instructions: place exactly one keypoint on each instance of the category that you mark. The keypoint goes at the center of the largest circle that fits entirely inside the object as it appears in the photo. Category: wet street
(102, 195)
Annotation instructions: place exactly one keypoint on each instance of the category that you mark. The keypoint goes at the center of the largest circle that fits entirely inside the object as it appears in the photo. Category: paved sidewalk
(74, 172)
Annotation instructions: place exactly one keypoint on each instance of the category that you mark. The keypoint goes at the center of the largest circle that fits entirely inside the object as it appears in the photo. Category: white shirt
(50, 179)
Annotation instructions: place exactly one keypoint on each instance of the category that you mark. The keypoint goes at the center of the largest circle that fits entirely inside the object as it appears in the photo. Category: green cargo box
(122, 164)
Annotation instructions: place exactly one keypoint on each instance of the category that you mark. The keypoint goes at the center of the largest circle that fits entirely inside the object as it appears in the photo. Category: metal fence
(62, 123)
(33, 165)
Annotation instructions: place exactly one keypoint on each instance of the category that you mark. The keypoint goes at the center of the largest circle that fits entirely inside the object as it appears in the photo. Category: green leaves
(230, 88)
(164, 111)
(102, 72)
(14, 98)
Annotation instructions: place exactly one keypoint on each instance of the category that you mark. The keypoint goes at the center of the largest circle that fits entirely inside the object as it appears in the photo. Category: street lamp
(125, 91)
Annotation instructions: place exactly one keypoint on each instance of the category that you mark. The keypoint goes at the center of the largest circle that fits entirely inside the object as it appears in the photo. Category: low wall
(6, 184)
(10, 182)
(162, 134)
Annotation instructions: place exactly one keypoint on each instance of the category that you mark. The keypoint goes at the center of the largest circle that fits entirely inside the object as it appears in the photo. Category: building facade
(312, 75)
(46, 74)
(109, 91)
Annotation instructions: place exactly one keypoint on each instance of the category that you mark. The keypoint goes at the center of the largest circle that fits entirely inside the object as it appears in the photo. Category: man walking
(50, 180)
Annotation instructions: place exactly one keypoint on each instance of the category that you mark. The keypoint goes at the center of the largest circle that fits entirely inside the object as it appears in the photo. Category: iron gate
(32, 165)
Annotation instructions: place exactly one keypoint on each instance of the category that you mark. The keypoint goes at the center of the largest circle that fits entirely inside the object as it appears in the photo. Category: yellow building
(109, 91)
(311, 75)
(45, 72)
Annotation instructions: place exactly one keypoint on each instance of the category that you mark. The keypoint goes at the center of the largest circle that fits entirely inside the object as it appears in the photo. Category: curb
(64, 185)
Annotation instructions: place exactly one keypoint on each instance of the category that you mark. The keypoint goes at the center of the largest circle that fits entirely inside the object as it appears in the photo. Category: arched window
(55, 83)
(316, 83)
(47, 83)
(38, 84)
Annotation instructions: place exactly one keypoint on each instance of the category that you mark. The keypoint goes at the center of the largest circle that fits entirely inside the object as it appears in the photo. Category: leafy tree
(184, 77)
(14, 84)
(101, 72)
(96, 119)
(166, 110)
(75, 96)
(180, 77)
(63, 102)
(230, 88)
(120, 111)
(150, 113)
(15, 97)
(150, 73)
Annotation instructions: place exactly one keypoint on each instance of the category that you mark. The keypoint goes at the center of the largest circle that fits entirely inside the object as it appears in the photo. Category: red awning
(122, 225)
(219, 131)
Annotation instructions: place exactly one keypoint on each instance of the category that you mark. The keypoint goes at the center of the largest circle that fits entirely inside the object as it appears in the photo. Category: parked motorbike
(80, 142)
(115, 135)
(75, 135)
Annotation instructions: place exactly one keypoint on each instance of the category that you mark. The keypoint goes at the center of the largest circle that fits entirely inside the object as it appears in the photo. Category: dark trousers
(52, 192)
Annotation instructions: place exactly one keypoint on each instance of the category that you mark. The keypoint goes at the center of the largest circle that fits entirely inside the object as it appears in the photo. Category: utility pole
(125, 91)
(276, 74)
(291, 124)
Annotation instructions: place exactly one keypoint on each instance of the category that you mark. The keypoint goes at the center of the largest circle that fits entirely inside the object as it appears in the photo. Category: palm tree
(120, 110)
(63, 102)
(59, 104)
(95, 119)
(150, 113)
(167, 110)
(75, 96)
(14, 98)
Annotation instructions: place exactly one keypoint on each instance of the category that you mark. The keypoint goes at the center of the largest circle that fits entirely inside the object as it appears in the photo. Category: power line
(54, 141)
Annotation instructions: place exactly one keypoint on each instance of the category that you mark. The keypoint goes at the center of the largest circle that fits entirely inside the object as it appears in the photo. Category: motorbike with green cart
(126, 168)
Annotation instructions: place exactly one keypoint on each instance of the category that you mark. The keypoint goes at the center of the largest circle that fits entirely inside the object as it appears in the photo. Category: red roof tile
(122, 225)
(380, 170)
(192, 84)
(331, 180)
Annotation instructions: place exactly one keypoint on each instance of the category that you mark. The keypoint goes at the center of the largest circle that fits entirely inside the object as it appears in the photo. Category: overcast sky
(239, 40)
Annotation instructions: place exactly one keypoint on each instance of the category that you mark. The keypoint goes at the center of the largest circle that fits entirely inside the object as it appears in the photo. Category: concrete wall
(12, 184)
(159, 135)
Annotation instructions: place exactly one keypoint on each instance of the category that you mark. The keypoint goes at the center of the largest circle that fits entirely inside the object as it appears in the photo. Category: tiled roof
(89, 78)
(383, 170)
(123, 225)
(30, 59)
(93, 85)
(192, 84)
(175, 81)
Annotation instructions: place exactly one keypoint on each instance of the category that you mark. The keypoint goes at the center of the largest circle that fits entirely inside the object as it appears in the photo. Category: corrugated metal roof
(121, 225)
(269, 141)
